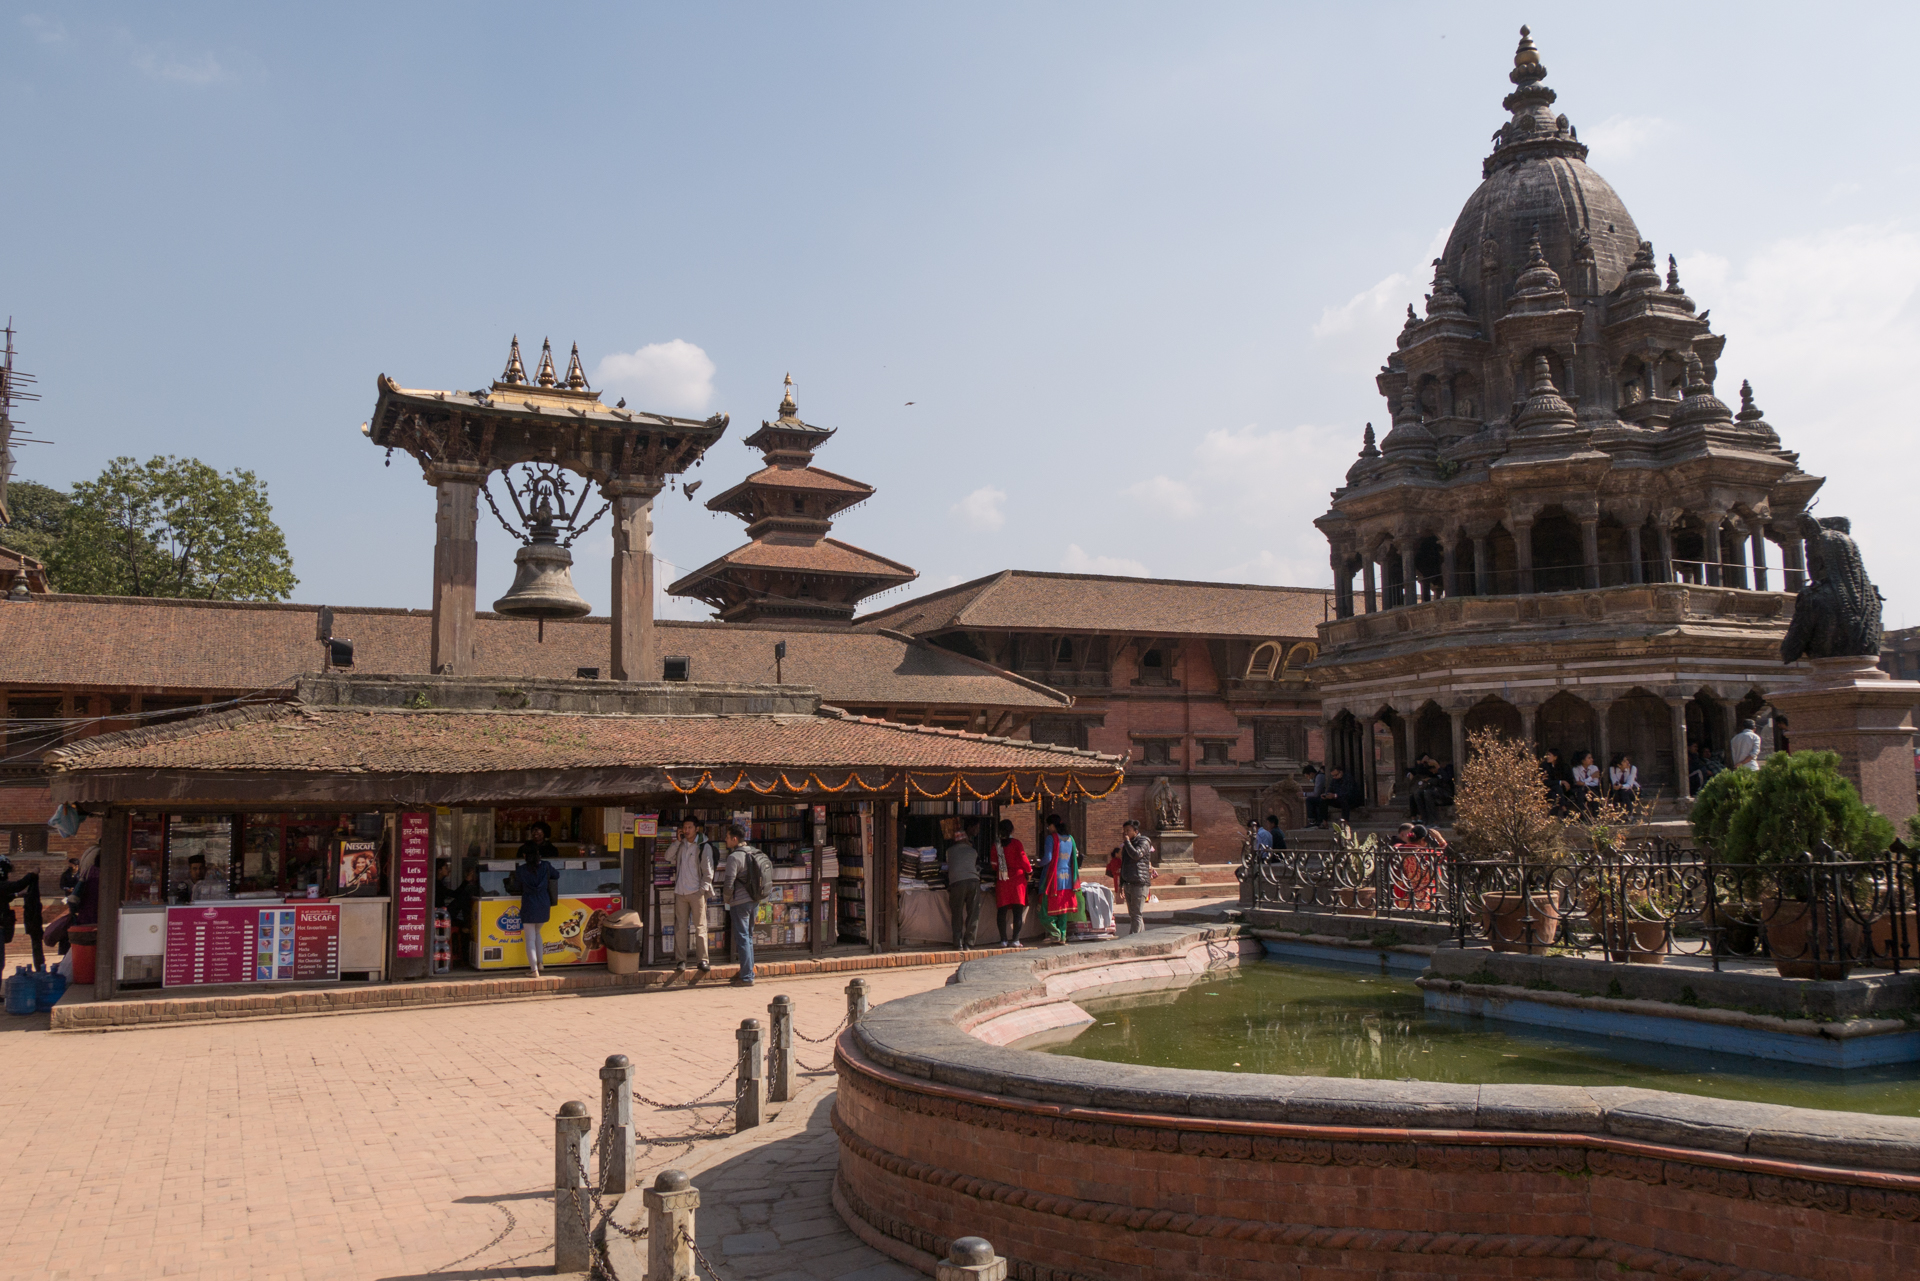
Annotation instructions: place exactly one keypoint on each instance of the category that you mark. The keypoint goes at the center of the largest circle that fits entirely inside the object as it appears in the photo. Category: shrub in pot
(1773, 818)
(1502, 812)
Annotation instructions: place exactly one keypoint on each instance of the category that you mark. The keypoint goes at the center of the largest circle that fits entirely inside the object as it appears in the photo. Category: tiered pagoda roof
(791, 569)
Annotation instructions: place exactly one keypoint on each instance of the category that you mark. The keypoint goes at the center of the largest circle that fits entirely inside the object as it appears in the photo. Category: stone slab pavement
(392, 1146)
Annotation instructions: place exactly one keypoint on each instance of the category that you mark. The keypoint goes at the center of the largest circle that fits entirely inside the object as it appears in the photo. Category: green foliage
(39, 517)
(172, 527)
(1784, 809)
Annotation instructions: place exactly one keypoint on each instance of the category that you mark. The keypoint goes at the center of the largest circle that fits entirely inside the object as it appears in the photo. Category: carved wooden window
(1213, 751)
(1061, 731)
(1280, 738)
(1157, 751)
(1064, 653)
(1265, 663)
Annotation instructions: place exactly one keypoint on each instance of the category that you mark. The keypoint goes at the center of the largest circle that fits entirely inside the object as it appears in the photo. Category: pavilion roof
(1025, 600)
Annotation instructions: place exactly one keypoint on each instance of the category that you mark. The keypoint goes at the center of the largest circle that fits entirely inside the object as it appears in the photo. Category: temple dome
(1560, 196)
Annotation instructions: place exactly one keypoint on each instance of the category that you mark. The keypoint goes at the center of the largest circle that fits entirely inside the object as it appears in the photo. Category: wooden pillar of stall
(884, 870)
(113, 889)
(819, 922)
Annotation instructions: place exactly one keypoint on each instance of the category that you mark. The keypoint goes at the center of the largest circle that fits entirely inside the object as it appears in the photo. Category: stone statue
(1163, 806)
(1837, 614)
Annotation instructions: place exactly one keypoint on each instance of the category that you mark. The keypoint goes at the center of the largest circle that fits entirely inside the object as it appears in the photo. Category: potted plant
(1773, 819)
(1631, 907)
(1502, 814)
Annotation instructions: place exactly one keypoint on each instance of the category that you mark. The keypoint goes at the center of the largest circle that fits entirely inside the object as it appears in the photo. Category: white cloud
(195, 69)
(1366, 309)
(1164, 495)
(45, 30)
(984, 509)
(1076, 561)
(1621, 137)
(667, 377)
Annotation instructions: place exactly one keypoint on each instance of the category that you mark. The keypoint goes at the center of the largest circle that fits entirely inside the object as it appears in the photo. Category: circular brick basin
(1075, 1168)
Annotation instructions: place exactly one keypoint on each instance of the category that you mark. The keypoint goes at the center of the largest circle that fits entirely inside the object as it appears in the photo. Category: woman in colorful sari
(1060, 880)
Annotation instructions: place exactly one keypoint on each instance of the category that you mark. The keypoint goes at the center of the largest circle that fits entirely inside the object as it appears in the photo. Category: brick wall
(1109, 1194)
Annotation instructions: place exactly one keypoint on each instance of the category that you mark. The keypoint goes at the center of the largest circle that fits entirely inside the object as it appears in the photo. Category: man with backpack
(691, 855)
(746, 878)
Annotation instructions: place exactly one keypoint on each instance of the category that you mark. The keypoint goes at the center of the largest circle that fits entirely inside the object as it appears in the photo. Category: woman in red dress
(1011, 868)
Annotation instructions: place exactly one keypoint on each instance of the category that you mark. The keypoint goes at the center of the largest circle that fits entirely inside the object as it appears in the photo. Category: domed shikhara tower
(1564, 531)
(791, 570)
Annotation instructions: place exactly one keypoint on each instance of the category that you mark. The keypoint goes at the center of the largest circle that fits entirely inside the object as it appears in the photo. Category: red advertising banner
(208, 945)
(413, 885)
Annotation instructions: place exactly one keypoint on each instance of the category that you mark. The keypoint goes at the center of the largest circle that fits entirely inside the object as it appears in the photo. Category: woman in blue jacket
(537, 880)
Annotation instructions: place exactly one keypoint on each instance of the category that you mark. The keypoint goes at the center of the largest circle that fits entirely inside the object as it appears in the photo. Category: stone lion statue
(1837, 613)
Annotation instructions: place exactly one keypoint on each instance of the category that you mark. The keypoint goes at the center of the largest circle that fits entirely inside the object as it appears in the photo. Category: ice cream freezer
(589, 891)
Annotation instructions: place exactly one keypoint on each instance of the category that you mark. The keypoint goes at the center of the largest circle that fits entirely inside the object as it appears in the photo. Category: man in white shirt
(1745, 750)
(692, 860)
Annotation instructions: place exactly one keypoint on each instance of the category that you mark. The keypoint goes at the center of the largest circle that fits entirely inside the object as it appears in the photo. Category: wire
(36, 726)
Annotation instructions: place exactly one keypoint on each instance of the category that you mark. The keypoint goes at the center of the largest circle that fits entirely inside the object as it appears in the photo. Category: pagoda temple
(791, 570)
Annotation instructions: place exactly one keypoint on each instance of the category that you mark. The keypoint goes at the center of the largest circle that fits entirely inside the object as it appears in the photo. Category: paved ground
(398, 1145)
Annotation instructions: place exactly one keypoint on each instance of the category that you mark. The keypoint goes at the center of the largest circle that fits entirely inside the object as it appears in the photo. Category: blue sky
(1134, 265)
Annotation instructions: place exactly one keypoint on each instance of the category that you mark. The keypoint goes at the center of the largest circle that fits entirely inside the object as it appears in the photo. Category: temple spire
(1545, 407)
(576, 376)
(546, 376)
(787, 406)
(515, 372)
(1534, 130)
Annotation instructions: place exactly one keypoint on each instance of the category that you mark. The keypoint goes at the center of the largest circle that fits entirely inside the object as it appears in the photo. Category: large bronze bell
(542, 583)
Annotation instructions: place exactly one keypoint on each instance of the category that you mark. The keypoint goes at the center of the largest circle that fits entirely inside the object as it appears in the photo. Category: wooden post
(456, 566)
(113, 889)
(635, 656)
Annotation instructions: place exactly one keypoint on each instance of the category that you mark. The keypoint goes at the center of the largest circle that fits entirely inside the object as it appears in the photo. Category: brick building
(1202, 684)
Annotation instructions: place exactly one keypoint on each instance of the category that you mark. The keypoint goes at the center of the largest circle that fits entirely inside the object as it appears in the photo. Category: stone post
(670, 1204)
(616, 1124)
(1757, 535)
(634, 655)
(456, 566)
(1681, 785)
(750, 1077)
(1634, 572)
(780, 1049)
(969, 1259)
(1590, 549)
(572, 1248)
(856, 1001)
(1523, 554)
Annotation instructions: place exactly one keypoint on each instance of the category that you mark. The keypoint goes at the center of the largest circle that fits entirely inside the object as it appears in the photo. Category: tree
(39, 518)
(1786, 808)
(1501, 807)
(172, 527)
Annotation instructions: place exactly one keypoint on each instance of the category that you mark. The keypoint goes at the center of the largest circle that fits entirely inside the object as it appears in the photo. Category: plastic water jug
(22, 992)
(49, 987)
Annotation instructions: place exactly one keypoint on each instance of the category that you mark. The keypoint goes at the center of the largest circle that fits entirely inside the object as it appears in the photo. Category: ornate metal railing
(1815, 917)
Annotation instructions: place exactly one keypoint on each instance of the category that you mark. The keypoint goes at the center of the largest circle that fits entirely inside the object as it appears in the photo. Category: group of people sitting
(1580, 787)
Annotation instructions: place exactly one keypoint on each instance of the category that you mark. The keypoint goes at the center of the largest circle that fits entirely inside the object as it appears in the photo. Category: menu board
(413, 885)
(211, 944)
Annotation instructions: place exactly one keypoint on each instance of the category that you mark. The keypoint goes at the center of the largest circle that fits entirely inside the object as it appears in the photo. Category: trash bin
(623, 936)
(82, 940)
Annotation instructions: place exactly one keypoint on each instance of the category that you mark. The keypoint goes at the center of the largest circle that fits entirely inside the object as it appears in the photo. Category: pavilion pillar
(1480, 581)
(1529, 722)
(1523, 554)
(1757, 535)
(1736, 575)
(1409, 580)
(1366, 574)
(1677, 708)
(1602, 747)
(635, 655)
(1590, 550)
(1448, 587)
(1665, 531)
(456, 566)
(1634, 574)
(1793, 558)
(1459, 719)
(1342, 586)
(1714, 524)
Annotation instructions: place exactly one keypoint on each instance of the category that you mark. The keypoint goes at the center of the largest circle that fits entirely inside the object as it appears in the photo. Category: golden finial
(787, 407)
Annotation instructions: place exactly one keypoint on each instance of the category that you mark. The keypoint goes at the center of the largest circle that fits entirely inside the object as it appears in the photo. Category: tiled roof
(227, 648)
(1024, 600)
(795, 478)
(828, 556)
(298, 738)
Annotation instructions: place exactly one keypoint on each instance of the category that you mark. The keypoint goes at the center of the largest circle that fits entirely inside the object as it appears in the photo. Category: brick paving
(391, 1145)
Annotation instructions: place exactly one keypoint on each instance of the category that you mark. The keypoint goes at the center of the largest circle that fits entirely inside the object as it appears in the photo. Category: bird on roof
(621, 403)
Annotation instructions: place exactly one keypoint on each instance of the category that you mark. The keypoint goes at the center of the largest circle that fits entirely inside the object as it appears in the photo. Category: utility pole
(11, 382)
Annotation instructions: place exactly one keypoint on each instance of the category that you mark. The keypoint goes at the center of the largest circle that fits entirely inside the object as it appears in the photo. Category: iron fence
(1817, 916)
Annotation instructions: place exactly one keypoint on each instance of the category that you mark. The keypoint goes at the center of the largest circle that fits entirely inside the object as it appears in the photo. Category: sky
(1093, 287)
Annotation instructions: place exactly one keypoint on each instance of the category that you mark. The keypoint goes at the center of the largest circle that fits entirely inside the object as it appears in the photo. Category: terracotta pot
(1355, 902)
(1738, 936)
(1886, 942)
(1641, 943)
(1506, 918)
(1790, 925)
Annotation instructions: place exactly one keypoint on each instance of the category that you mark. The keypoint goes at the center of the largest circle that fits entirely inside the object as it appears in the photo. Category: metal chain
(487, 489)
(699, 1256)
(822, 1040)
(512, 1223)
(597, 1263)
(581, 529)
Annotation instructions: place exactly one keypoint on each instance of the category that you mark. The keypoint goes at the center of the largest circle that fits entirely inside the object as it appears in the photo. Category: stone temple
(1564, 533)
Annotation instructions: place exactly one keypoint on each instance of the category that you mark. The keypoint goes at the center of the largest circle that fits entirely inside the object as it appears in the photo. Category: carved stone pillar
(1523, 554)
(1366, 575)
(1342, 586)
(1634, 573)
(1711, 553)
(1481, 583)
(1529, 720)
(1602, 744)
(1459, 719)
(635, 655)
(1448, 587)
(456, 565)
(1736, 569)
(1793, 556)
(1590, 550)
(1757, 535)
(1409, 580)
(1669, 573)
(1677, 708)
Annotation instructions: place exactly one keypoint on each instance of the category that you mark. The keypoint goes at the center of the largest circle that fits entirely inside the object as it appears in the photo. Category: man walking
(1136, 873)
(737, 893)
(692, 860)
(1744, 751)
(963, 887)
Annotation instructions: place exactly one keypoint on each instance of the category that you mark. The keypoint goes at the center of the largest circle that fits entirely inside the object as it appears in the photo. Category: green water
(1294, 1020)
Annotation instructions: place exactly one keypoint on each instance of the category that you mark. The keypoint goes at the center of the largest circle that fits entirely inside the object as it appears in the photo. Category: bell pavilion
(791, 570)
(1565, 533)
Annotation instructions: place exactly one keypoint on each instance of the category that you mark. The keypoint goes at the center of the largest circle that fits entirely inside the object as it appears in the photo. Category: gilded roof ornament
(515, 372)
(576, 376)
(546, 376)
(787, 407)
